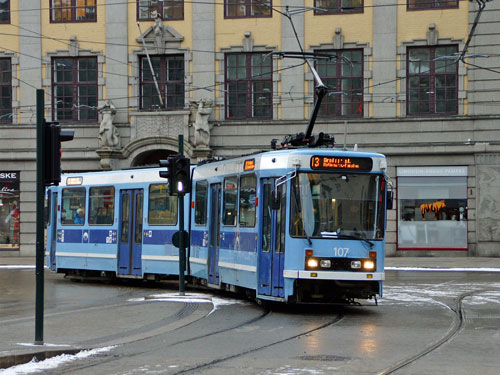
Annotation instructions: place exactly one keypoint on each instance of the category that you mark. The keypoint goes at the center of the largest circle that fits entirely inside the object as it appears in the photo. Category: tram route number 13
(340, 251)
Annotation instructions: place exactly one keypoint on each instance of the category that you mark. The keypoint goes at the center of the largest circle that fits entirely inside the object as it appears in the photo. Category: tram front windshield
(326, 205)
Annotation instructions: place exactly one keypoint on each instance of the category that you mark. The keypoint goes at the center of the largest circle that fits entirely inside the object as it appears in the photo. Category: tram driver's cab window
(162, 207)
(73, 206)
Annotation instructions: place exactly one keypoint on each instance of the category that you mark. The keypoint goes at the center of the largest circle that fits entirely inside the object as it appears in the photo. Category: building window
(247, 8)
(337, 6)
(344, 78)
(4, 11)
(74, 88)
(431, 4)
(5, 91)
(432, 208)
(169, 73)
(248, 86)
(73, 11)
(167, 9)
(9, 211)
(432, 81)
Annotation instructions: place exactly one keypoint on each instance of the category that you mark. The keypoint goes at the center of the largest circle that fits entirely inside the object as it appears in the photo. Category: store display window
(432, 208)
(9, 211)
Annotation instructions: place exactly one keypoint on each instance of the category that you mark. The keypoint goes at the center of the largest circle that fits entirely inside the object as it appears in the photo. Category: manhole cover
(324, 358)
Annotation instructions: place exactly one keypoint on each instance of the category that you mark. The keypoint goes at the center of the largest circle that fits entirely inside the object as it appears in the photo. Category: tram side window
(200, 204)
(101, 205)
(73, 206)
(248, 188)
(162, 208)
(230, 201)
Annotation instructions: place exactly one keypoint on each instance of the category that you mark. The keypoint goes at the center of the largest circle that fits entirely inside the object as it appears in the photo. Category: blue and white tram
(296, 225)
(117, 223)
(299, 225)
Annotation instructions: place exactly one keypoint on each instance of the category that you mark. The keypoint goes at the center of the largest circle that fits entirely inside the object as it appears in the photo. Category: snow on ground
(451, 269)
(50, 363)
(217, 302)
(16, 267)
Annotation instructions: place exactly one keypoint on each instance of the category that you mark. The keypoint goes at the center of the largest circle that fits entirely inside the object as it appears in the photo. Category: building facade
(417, 80)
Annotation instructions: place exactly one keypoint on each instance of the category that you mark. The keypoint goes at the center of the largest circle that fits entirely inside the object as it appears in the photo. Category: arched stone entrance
(151, 158)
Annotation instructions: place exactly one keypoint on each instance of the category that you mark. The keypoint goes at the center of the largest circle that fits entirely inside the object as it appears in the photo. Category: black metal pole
(182, 249)
(40, 197)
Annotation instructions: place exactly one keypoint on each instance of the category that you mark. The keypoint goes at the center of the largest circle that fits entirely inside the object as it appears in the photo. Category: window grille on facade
(73, 11)
(167, 9)
(247, 8)
(74, 88)
(169, 73)
(5, 91)
(337, 6)
(343, 75)
(248, 86)
(432, 83)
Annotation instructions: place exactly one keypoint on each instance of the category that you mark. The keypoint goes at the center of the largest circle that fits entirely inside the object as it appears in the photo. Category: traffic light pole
(40, 197)
(182, 249)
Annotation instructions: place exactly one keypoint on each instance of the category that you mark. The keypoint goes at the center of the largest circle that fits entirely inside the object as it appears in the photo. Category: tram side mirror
(275, 202)
(390, 200)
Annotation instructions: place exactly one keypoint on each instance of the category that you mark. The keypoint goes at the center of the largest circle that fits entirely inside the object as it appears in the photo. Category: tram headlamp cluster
(321, 263)
(312, 263)
(368, 265)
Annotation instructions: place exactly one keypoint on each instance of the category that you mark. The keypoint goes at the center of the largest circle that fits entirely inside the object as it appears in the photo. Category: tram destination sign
(341, 163)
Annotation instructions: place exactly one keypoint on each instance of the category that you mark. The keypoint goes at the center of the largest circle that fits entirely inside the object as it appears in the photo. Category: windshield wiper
(340, 235)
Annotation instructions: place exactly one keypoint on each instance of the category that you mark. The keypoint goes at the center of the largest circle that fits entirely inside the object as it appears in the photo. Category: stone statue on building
(108, 133)
(158, 30)
(201, 125)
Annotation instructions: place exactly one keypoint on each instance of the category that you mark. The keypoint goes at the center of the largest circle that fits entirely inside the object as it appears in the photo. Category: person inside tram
(79, 217)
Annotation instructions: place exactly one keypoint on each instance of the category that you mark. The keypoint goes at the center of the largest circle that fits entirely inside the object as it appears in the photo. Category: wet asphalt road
(427, 323)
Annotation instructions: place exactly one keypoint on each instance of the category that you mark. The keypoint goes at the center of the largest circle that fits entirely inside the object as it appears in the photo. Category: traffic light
(54, 135)
(182, 175)
(169, 173)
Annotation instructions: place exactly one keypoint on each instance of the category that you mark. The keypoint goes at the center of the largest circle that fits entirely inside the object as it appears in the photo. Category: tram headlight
(368, 265)
(325, 263)
(356, 264)
(312, 263)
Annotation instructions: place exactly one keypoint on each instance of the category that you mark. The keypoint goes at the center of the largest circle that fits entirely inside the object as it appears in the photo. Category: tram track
(106, 359)
(456, 327)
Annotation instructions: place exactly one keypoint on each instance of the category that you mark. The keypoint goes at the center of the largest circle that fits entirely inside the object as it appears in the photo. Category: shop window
(431, 4)
(9, 211)
(73, 206)
(73, 11)
(74, 88)
(230, 201)
(200, 204)
(247, 8)
(432, 83)
(337, 6)
(169, 72)
(432, 212)
(168, 9)
(101, 205)
(162, 208)
(248, 188)
(5, 11)
(343, 75)
(249, 86)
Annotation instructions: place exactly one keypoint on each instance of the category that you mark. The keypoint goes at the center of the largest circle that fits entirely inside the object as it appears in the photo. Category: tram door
(271, 250)
(130, 244)
(53, 233)
(214, 234)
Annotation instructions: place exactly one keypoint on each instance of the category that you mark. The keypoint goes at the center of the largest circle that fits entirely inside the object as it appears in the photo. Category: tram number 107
(340, 251)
